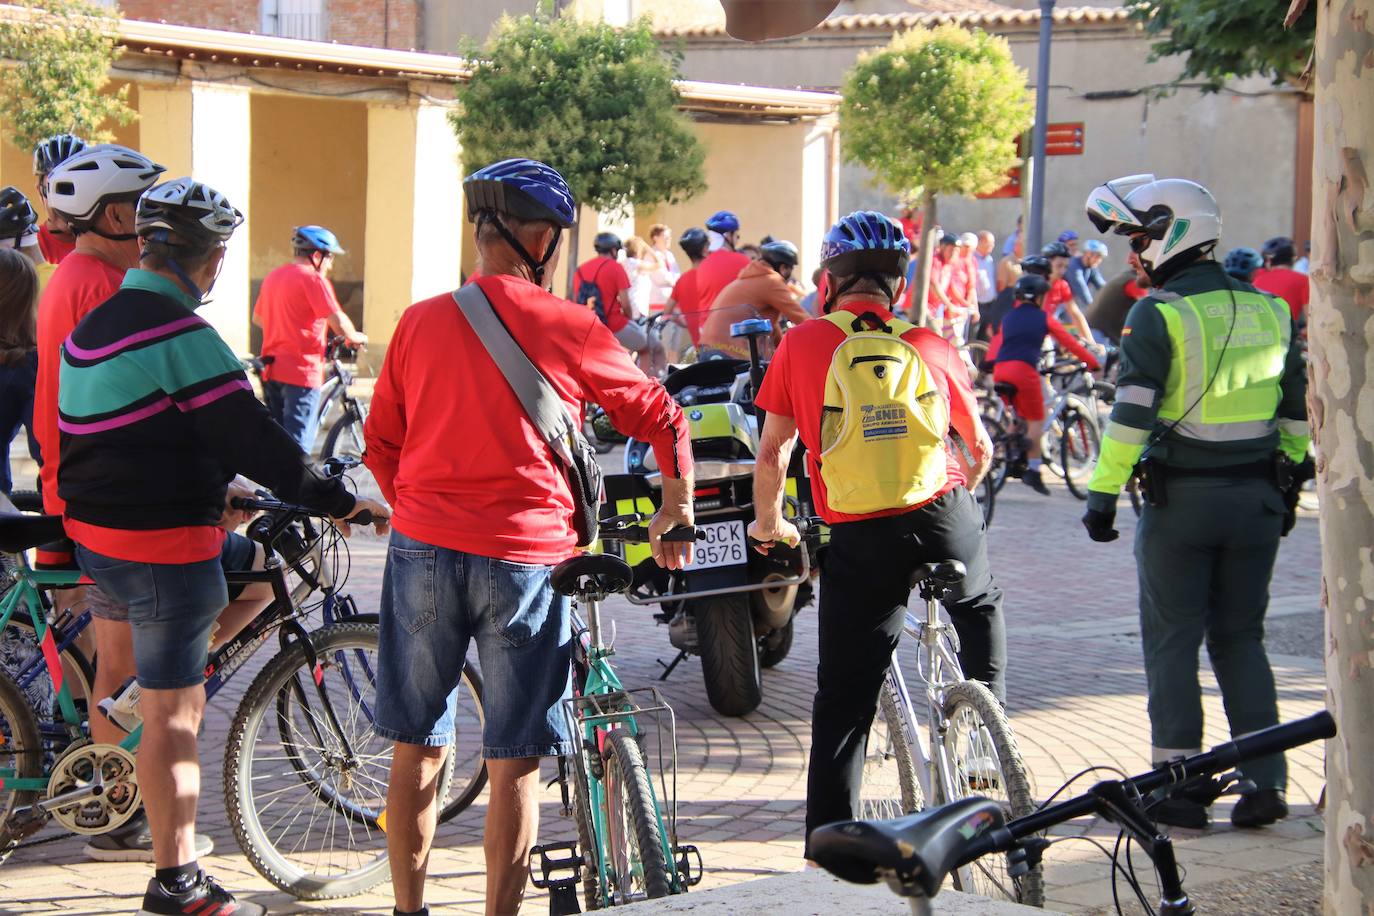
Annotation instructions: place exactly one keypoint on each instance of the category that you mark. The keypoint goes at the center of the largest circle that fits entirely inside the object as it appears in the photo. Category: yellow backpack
(884, 425)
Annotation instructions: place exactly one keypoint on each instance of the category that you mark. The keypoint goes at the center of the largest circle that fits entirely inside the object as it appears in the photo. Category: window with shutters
(294, 19)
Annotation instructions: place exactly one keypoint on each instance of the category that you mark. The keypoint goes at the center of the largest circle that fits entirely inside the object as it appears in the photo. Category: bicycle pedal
(542, 878)
(689, 872)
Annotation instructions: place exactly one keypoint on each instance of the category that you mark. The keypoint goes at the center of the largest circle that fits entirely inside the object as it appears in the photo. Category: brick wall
(375, 23)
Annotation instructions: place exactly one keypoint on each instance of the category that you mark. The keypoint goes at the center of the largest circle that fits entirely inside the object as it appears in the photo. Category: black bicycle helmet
(1055, 250)
(1030, 287)
(17, 218)
(1280, 250)
(52, 152)
(779, 252)
(694, 242)
(607, 243)
(1036, 264)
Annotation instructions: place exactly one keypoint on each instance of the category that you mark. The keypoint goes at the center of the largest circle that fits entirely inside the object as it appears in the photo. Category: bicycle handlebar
(1271, 740)
(628, 528)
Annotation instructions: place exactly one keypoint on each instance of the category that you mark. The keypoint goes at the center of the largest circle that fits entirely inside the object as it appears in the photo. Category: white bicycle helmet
(1171, 219)
(79, 188)
(192, 212)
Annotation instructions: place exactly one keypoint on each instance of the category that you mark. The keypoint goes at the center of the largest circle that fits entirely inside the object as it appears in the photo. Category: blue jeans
(172, 608)
(293, 407)
(16, 410)
(435, 601)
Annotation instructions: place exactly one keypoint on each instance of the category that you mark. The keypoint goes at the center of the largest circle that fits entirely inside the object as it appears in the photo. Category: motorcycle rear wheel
(729, 654)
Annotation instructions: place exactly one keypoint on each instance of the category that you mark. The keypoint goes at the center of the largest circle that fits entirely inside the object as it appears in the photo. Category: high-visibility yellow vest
(1220, 389)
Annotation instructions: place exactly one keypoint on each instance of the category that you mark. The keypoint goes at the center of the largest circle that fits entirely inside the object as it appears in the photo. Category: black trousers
(864, 593)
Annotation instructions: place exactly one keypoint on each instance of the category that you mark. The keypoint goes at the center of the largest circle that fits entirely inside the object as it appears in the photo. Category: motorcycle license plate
(724, 545)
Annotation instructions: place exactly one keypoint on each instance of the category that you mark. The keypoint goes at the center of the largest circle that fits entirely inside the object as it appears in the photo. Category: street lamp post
(1042, 107)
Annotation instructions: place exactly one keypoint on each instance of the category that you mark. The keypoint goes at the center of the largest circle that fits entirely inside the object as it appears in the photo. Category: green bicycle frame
(602, 681)
(24, 592)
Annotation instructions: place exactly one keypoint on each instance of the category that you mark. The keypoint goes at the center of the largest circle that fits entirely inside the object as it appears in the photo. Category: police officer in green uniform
(1210, 413)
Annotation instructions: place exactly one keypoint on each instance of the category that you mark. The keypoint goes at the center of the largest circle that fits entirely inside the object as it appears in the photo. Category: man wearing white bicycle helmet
(156, 419)
(1210, 414)
(93, 191)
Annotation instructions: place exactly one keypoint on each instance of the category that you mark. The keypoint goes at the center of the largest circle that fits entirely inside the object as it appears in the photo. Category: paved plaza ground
(1076, 698)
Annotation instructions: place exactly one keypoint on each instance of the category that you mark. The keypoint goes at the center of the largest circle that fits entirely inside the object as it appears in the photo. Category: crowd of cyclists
(146, 427)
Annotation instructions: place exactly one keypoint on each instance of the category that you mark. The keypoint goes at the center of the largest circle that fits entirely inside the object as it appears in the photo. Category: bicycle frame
(280, 613)
(601, 701)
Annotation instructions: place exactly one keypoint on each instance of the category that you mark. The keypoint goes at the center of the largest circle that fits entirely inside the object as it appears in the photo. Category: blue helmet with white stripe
(865, 242)
(522, 188)
(723, 221)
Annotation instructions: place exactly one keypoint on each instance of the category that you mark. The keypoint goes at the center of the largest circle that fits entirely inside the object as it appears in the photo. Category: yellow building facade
(358, 139)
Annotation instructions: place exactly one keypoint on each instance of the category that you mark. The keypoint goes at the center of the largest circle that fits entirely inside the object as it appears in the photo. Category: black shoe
(133, 842)
(1259, 809)
(1181, 812)
(205, 895)
(1032, 479)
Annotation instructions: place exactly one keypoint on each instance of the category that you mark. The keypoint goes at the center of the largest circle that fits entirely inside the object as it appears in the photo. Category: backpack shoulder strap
(856, 324)
(542, 404)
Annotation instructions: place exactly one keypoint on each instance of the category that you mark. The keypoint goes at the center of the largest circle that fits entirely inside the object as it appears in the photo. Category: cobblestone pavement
(1076, 699)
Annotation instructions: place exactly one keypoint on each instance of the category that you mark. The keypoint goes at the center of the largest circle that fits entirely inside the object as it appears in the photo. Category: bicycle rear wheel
(982, 758)
(638, 868)
(310, 817)
(1001, 452)
(1079, 446)
(891, 787)
(21, 757)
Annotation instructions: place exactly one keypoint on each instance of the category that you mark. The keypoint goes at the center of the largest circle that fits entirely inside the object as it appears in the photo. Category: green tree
(61, 52)
(1226, 39)
(935, 112)
(596, 102)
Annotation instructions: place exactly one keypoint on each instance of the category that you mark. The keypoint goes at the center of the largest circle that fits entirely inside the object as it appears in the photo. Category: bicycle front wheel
(345, 440)
(981, 758)
(637, 865)
(21, 756)
(1079, 446)
(306, 796)
(891, 787)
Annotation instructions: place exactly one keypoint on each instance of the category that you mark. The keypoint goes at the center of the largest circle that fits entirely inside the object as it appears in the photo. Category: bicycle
(338, 410)
(51, 771)
(914, 854)
(969, 744)
(626, 846)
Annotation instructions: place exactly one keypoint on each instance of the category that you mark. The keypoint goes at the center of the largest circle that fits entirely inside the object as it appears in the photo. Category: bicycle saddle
(1004, 389)
(592, 573)
(913, 853)
(946, 572)
(20, 532)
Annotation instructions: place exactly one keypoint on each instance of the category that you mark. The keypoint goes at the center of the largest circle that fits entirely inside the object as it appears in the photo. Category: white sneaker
(122, 708)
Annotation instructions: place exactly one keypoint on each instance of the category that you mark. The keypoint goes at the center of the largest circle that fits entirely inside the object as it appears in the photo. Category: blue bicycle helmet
(526, 190)
(1280, 251)
(723, 221)
(315, 238)
(864, 244)
(1242, 263)
(522, 188)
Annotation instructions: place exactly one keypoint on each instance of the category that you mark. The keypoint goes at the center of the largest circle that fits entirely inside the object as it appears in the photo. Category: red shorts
(1029, 402)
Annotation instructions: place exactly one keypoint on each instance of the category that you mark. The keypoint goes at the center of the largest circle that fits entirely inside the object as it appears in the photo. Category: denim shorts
(172, 608)
(434, 602)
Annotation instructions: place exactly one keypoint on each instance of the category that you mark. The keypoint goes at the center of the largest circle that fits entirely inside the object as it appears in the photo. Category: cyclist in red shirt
(1279, 277)
(296, 310)
(865, 581)
(482, 513)
(609, 277)
(682, 306)
(723, 264)
(55, 237)
(94, 192)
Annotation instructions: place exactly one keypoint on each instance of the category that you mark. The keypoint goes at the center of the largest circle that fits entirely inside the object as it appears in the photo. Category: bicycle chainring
(80, 767)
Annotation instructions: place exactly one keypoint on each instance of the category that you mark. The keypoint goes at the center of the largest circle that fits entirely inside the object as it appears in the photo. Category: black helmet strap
(536, 267)
(879, 280)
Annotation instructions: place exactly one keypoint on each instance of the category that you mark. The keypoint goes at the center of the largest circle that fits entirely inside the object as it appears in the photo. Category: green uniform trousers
(1204, 562)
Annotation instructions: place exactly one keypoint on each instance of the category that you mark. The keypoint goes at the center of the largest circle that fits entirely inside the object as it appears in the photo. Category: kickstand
(668, 668)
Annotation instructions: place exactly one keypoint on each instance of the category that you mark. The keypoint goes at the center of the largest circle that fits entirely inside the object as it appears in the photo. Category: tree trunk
(1342, 415)
(570, 261)
(920, 312)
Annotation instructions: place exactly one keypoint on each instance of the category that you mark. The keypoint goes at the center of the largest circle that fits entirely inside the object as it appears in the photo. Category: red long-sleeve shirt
(452, 448)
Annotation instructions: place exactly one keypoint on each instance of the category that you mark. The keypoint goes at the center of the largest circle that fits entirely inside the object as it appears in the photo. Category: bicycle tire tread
(624, 753)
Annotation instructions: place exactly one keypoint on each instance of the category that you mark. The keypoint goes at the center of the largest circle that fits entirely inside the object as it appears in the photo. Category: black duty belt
(1257, 469)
